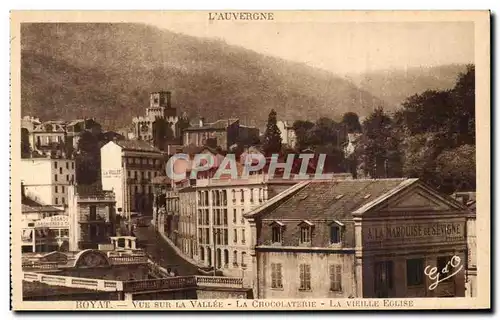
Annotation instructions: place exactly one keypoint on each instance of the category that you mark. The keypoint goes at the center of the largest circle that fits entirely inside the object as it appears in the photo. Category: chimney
(169, 99)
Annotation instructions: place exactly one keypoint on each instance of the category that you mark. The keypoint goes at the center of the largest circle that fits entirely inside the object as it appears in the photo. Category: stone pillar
(127, 296)
(133, 243)
(358, 260)
(252, 276)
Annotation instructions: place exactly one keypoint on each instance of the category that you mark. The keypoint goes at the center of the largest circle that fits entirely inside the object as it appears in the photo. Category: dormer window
(305, 232)
(336, 230)
(277, 232)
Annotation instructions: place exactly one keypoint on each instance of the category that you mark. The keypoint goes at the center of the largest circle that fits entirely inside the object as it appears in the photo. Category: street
(161, 252)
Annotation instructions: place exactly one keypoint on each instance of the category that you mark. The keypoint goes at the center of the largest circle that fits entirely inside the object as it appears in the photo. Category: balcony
(96, 219)
(97, 198)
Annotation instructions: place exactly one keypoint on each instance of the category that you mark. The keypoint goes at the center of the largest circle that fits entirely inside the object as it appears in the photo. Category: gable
(418, 198)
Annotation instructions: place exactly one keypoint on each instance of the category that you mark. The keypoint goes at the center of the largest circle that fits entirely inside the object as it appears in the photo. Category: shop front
(416, 250)
(51, 234)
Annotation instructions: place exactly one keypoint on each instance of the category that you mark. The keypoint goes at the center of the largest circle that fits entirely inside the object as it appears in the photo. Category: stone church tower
(160, 122)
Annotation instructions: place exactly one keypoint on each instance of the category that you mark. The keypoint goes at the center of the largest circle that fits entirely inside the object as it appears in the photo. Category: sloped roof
(318, 199)
(30, 205)
(137, 145)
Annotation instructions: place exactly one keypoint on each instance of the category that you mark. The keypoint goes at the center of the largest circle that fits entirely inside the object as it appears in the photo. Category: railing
(40, 265)
(74, 282)
(128, 260)
(228, 282)
(96, 198)
(159, 284)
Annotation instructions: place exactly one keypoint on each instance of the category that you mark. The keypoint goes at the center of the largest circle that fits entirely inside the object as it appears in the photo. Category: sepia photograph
(253, 160)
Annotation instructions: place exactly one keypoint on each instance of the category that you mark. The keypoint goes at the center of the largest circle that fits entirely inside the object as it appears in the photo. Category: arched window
(235, 258)
(243, 259)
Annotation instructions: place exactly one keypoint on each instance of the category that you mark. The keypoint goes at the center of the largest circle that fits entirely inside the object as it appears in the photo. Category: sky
(345, 47)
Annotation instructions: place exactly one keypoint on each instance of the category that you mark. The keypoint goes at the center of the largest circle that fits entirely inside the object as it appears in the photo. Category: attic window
(277, 232)
(339, 196)
(367, 196)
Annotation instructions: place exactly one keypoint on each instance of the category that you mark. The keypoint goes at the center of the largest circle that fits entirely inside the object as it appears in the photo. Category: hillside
(107, 70)
(394, 86)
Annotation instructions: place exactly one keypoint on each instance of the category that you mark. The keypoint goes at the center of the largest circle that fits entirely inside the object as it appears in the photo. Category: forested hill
(107, 71)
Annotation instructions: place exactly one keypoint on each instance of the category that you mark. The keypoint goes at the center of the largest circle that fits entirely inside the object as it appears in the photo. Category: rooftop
(30, 205)
(137, 145)
(333, 199)
(219, 124)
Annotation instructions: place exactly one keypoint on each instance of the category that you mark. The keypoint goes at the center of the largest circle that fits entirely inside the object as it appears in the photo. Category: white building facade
(222, 233)
(46, 180)
(288, 135)
(127, 168)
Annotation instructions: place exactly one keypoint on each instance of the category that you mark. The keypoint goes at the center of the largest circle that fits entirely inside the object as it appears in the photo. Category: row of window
(133, 160)
(220, 217)
(221, 236)
(56, 200)
(56, 189)
(145, 189)
(48, 139)
(67, 166)
(219, 197)
(306, 234)
(222, 257)
(334, 270)
(142, 174)
(68, 177)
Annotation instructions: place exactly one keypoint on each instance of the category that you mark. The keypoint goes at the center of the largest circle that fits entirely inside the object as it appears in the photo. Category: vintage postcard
(250, 160)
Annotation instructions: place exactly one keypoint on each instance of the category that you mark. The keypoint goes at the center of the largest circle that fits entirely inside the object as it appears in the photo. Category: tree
(272, 136)
(25, 143)
(463, 121)
(419, 156)
(88, 159)
(456, 169)
(380, 146)
(351, 122)
(302, 132)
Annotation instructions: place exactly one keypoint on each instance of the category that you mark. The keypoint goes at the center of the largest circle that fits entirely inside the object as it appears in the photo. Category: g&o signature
(433, 273)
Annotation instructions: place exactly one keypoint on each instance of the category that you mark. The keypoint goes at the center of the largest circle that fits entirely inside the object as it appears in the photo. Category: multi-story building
(223, 235)
(358, 238)
(127, 168)
(54, 137)
(186, 226)
(221, 133)
(46, 180)
(92, 217)
(288, 135)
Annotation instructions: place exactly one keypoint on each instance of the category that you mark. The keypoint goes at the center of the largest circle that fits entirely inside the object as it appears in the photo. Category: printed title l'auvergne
(103, 215)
